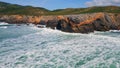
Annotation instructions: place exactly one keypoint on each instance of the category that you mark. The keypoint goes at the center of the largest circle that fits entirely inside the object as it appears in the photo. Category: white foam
(4, 27)
(53, 49)
(3, 23)
(114, 30)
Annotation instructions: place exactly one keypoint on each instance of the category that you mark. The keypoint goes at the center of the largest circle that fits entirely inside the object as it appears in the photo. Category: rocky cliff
(85, 23)
(19, 19)
(82, 23)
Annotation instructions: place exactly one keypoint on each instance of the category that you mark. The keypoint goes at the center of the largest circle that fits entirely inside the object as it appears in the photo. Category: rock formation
(82, 23)
(18, 19)
(86, 23)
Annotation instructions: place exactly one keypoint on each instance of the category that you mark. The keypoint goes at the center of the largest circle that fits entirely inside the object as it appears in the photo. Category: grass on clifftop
(13, 9)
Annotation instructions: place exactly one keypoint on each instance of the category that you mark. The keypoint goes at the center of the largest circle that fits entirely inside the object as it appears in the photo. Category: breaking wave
(47, 48)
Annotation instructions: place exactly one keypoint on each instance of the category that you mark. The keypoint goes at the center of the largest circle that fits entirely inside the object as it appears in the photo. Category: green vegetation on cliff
(109, 9)
(13, 9)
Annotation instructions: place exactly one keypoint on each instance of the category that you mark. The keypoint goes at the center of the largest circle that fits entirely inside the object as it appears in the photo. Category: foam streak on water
(47, 48)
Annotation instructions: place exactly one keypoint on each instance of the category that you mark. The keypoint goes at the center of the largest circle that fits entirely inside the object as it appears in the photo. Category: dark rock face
(51, 23)
(59, 26)
(42, 22)
(82, 23)
(64, 26)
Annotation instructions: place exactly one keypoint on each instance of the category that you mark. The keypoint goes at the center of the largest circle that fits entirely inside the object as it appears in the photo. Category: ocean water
(31, 47)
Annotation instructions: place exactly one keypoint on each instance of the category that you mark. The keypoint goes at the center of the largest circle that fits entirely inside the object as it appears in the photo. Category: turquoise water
(31, 47)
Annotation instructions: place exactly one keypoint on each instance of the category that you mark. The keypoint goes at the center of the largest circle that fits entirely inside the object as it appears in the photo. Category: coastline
(81, 23)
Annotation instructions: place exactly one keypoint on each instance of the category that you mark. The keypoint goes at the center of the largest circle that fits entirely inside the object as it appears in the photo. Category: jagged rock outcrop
(86, 23)
(82, 23)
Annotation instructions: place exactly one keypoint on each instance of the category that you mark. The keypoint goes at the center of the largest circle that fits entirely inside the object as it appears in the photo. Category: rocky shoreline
(82, 23)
